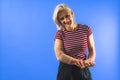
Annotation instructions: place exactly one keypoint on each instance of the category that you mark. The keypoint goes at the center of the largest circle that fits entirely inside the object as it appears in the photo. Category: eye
(62, 18)
(67, 16)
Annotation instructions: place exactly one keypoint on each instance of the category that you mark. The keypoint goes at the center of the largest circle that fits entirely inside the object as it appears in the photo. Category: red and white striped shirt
(75, 43)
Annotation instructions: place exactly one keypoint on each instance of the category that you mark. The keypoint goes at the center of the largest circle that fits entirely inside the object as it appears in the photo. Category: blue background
(27, 37)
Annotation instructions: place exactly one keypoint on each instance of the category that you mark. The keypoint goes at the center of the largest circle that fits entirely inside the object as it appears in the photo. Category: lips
(68, 23)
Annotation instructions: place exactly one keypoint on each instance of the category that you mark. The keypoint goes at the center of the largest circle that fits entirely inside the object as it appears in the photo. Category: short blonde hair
(60, 7)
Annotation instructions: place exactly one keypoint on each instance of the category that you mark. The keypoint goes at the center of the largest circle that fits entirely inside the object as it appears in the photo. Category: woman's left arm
(92, 54)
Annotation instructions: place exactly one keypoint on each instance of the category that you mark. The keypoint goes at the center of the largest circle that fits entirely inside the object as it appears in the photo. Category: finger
(82, 64)
(78, 64)
(86, 63)
(93, 64)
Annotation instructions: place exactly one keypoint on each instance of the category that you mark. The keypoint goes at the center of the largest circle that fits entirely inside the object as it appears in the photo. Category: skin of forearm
(61, 56)
(92, 54)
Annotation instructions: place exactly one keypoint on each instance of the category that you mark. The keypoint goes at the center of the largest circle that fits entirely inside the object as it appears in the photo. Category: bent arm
(91, 48)
(60, 55)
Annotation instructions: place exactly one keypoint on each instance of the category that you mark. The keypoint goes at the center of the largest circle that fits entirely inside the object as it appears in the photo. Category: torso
(75, 42)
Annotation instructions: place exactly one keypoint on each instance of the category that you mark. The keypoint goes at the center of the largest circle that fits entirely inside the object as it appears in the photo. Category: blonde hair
(60, 7)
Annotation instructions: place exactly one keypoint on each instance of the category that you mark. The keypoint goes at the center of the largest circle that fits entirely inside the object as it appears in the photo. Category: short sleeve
(58, 35)
(89, 31)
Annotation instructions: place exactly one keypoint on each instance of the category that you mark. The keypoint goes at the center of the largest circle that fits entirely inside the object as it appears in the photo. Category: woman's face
(66, 18)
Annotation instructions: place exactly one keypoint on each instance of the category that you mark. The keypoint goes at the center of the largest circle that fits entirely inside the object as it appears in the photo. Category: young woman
(71, 42)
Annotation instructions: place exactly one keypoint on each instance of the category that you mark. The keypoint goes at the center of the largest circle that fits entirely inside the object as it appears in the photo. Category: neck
(68, 28)
(71, 28)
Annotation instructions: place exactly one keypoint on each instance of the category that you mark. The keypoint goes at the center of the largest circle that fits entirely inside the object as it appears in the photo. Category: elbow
(58, 54)
(59, 58)
(92, 50)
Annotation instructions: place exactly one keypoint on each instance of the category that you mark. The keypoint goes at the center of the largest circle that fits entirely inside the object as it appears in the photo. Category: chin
(68, 25)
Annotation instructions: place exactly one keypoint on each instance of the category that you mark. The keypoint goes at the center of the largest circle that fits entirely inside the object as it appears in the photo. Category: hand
(79, 63)
(89, 62)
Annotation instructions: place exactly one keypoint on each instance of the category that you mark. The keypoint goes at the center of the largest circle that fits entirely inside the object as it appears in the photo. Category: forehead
(63, 13)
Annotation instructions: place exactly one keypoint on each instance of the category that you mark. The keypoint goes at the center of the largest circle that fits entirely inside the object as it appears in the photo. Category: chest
(75, 39)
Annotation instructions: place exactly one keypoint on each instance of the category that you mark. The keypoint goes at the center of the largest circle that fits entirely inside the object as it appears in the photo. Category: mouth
(68, 23)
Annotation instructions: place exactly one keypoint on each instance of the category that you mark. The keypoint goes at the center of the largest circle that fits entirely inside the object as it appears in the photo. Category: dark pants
(72, 72)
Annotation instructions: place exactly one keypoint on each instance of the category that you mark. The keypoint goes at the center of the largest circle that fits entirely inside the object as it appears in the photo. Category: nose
(66, 19)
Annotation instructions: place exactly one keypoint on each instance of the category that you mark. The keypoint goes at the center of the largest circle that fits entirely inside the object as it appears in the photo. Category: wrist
(73, 61)
(91, 59)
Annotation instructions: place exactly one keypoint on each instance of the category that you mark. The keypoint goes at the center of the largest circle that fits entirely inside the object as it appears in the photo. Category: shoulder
(83, 25)
(59, 35)
(59, 32)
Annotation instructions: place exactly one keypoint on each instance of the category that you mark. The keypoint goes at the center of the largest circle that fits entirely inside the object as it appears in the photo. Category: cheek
(72, 19)
(62, 21)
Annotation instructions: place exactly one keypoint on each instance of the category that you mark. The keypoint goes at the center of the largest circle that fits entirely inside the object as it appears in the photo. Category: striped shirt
(75, 43)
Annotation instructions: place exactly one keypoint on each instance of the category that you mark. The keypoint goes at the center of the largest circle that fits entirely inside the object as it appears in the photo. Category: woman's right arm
(61, 56)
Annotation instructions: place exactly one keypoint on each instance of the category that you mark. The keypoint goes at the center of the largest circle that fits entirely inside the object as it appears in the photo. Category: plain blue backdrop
(27, 37)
